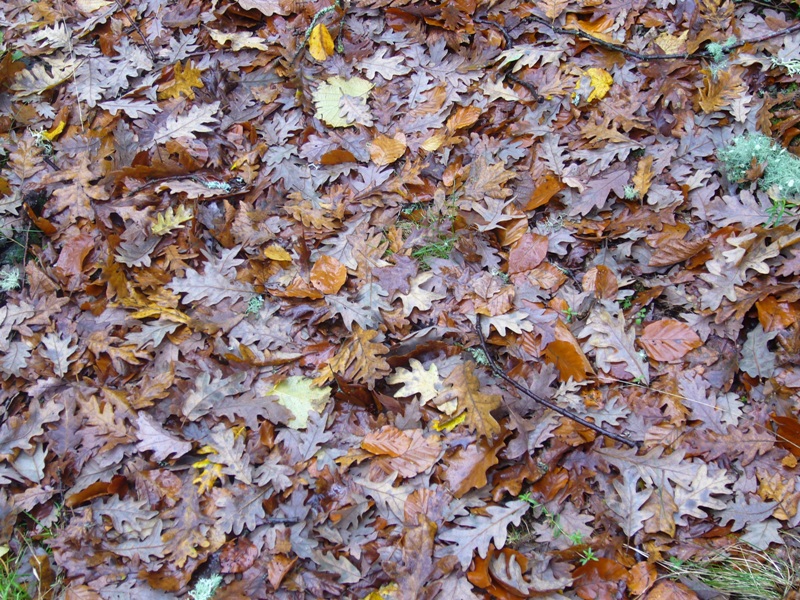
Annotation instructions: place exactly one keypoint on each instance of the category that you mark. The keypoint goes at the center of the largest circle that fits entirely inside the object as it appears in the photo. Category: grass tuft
(11, 585)
(740, 572)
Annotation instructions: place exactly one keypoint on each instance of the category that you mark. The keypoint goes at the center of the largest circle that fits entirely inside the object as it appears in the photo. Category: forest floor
(398, 300)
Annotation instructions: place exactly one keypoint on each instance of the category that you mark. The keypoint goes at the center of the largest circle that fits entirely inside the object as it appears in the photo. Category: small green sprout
(631, 193)
(625, 303)
(576, 538)
(640, 316)
(587, 556)
(254, 305)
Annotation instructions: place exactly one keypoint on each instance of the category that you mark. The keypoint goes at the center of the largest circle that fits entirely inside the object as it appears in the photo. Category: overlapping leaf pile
(276, 376)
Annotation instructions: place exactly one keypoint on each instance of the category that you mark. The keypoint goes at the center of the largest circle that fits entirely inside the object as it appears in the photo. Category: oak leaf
(417, 380)
(475, 532)
(463, 384)
(614, 344)
(300, 397)
(359, 359)
(186, 78)
(163, 444)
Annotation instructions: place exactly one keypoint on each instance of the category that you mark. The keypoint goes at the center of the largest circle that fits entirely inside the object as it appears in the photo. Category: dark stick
(139, 31)
(554, 407)
(645, 57)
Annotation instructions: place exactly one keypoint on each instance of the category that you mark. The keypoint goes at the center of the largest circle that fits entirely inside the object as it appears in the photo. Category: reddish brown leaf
(467, 467)
(237, 556)
(668, 340)
(527, 254)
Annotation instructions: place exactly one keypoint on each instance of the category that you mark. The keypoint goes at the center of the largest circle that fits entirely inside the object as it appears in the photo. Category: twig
(139, 31)
(528, 86)
(554, 407)
(50, 163)
(509, 42)
(645, 57)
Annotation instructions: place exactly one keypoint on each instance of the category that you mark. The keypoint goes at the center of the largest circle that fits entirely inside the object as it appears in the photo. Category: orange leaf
(788, 434)
(669, 340)
(359, 360)
(775, 315)
(566, 354)
(328, 275)
(544, 191)
(388, 440)
(641, 576)
(602, 281)
(464, 116)
(337, 157)
(420, 456)
(528, 253)
(466, 469)
(671, 590)
(644, 175)
(720, 90)
(384, 150)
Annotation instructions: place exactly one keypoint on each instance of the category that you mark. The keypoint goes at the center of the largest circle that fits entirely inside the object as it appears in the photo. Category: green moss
(206, 587)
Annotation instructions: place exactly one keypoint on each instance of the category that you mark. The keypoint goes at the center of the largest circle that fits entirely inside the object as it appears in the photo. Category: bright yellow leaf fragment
(171, 219)
(599, 79)
(320, 43)
(55, 131)
(275, 252)
(449, 424)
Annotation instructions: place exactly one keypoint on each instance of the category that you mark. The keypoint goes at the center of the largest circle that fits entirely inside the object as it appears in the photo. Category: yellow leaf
(384, 150)
(53, 133)
(449, 424)
(89, 6)
(169, 219)
(210, 473)
(417, 381)
(275, 252)
(184, 82)
(320, 43)
(553, 8)
(476, 406)
(434, 142)
(601, 82)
